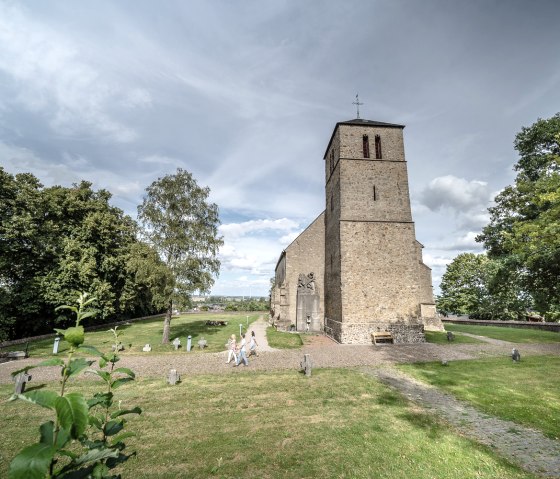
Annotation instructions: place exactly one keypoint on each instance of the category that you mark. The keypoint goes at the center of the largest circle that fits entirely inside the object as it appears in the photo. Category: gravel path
(324, 354)
(521, 445)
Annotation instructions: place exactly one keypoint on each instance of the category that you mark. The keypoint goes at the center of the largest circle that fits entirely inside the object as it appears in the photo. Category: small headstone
(450, 336)
(202, 343)
(177, 343)
(306, 364)
(56, 343)
(21, 379)
(515, 355)
(189, 344)
(147, 348)
(173, 377)
(17, 355)
(118, 347)
(444, 362)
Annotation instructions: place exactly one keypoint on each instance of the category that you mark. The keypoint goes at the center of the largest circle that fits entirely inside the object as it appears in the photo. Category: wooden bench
(381, 336)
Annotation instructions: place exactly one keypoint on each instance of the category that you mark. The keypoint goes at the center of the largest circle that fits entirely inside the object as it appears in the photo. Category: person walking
(232, 347)
(253, 345)
(242, 352)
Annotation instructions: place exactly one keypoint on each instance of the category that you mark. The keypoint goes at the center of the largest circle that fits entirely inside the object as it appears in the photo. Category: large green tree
(182, 226)
(524, 228)
(57, 240)
(474, 285)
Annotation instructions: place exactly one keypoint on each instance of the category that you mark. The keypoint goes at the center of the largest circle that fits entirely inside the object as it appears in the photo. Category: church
(357, 268)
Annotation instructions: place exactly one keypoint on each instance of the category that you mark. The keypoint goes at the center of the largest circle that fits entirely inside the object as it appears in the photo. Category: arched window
(378, 154)
(365, 146)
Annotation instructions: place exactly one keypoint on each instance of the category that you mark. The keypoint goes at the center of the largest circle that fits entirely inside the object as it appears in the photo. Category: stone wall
(305, 254)
(350, 140)
(360, 333)
(379, 272)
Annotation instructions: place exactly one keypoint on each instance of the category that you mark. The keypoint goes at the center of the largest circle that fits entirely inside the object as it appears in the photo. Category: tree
(57, 240)
(524, 229)
(464, 285)
(182, 226)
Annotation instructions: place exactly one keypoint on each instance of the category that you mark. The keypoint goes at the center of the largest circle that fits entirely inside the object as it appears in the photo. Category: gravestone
(450, 336)
(56, 343)
(118, 347)
(173, 377)
(308, 304)
(202, 343)
(306, 364)
(147, 348)
(21, 380)
(515, 356)
(444, 362)
(189, 344)
(177, 343)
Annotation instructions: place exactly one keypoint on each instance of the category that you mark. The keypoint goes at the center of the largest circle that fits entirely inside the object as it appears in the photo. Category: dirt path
(526, 447)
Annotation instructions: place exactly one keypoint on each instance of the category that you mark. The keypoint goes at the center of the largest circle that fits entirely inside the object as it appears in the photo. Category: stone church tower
(371, 274)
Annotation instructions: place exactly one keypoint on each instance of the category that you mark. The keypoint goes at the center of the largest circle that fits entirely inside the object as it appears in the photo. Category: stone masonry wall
(374, 190)
(360, 333)
(305, 254)
(379, 272)
(332, 296)
(350, 139)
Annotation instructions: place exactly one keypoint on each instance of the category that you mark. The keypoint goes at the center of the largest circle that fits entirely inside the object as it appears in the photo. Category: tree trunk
(167, 324)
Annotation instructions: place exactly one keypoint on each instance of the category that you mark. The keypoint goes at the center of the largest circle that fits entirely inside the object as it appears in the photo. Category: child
(253, 345)
(232, 346)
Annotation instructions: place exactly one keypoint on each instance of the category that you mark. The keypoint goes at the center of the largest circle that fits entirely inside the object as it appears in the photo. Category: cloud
(456, 194)
(238, 230)
(465, 242)
(50, 75)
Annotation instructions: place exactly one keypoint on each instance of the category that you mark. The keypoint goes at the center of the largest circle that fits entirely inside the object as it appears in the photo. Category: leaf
(102, 374)
(77, 365)
(96, 455)
(95, 421)
(75, 335)
(91, 349)
(118, 439)
(42, 397)
(113, 427)
(126, 371)
(88, 314)
(47, 435)
(103, 399)
(47, 362)
(72, 413)
(32, 462)
(119, 382)
(102, 362)
(122, 412)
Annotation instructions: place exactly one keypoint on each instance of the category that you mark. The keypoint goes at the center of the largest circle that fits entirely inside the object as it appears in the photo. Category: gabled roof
(360, 122)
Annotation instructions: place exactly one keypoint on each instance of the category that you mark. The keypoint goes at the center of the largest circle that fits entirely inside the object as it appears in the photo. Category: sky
(245, 95)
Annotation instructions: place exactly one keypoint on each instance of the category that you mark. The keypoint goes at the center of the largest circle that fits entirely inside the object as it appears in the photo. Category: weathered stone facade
(305, 255)
(374, 277)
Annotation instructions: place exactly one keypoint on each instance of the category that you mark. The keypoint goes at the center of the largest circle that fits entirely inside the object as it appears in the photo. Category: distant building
(358, 267)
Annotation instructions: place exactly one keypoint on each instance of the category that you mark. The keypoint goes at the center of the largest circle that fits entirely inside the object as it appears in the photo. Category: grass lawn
(282, 339)
(338, 423)
(137, 334)
(524, 392)
(439, 337)
(515, 335)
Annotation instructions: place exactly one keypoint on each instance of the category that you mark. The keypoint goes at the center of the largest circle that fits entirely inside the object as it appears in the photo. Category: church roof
(360, 122)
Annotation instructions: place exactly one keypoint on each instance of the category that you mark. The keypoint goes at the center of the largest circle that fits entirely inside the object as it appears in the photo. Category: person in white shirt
(242, 352)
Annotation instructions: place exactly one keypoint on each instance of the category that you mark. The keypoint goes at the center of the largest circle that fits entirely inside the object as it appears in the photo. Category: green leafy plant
(93, 427)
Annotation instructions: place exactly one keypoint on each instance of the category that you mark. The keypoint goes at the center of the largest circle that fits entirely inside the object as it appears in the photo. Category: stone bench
(381, 336)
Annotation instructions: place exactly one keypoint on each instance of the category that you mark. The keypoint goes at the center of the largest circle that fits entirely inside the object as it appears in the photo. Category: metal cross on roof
(357, 103)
